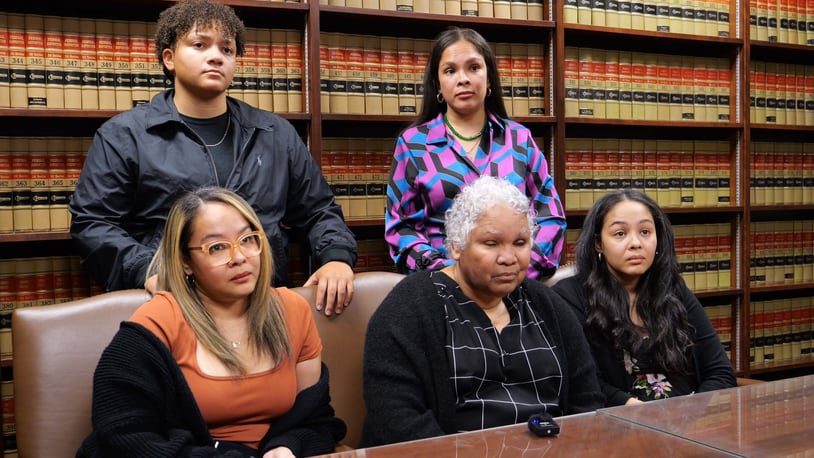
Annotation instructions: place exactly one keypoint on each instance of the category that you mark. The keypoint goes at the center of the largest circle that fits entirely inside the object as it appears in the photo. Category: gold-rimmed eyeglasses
(220, 252)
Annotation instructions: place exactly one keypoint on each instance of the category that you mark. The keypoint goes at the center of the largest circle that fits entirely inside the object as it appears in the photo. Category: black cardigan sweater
(711, 368)
(407, 386)
(143, 406)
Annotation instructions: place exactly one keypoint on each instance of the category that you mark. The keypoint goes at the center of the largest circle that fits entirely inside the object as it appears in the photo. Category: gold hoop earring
(439, 98)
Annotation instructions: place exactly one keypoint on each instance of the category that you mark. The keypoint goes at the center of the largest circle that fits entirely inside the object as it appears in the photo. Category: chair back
(56, 350)
(343, 341)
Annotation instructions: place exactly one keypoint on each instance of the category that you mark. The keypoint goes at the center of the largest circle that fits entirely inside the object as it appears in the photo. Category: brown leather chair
(56, 349)
(343, 341)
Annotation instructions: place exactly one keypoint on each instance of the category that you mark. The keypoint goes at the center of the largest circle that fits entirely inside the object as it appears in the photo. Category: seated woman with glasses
(217, 363)
(475, 344)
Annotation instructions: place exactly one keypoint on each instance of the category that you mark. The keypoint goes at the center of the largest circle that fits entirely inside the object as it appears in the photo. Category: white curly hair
(475, 199)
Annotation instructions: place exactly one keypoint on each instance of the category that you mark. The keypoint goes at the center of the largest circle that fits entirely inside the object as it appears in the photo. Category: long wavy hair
(267, 327)
(658, 306)
(430, 106)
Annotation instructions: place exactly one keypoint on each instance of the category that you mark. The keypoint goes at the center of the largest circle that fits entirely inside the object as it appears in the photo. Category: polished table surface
(584, 435)
(765, 419)
(761, 420)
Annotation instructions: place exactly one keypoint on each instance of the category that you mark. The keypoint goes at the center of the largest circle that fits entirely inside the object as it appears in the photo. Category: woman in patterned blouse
(650, 336)
(461, 133)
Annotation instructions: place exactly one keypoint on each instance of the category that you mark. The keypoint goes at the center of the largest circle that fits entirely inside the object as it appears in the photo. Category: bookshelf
(697, 84)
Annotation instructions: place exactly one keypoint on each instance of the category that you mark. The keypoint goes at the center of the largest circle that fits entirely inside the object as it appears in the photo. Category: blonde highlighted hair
(267, 328)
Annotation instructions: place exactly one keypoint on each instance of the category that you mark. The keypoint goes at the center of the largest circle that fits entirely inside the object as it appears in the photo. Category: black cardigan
(711, 368)
(407, 386)
(143, 406)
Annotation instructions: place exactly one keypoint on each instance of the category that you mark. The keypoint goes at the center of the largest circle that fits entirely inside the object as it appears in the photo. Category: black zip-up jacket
(142, 160)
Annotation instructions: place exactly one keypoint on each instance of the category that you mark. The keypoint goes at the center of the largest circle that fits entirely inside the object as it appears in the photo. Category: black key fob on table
(543, 425)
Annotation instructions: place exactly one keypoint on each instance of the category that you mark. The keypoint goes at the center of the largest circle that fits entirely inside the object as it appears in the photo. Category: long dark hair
(430, 106)
(661, 311)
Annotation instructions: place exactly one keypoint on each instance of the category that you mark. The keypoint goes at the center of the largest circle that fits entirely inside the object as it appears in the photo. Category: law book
(502, 9)
(18, 88)
(503, 60)
(139, 63)
(534, 10)
(54, 46)
(699, 82)
(723, 77)
(637, 148)
(80, 63)
(637, 15)
(420, 6)
(64, 33)
(390, 82)
(372, 65)
(758, 86)
(713, 91)
(600, 169)
(5, 101)
(106, 65)
(724, 254)
(294, 70)
(61, 276)
(354, 3)
(572, 173)
(58, 195)
(359, 178)
(38, 182)
(613, 179)
(536, 64)
(665, 149)
(324, 75)
(782, 94)
(797, 326)
(612, 95)
(519, 9)
(684, 157)
(798, 251)
(123, 83)
(520, 78)
(663, 87)
(808, 173)
(279, 82)
(250, 64)
(625, 18)
(651, 168)
(638, 86)
(34, 37)
(469, 8)
(406, 82)
(421, 53)
(598, 77)
(21, 185)
(687, 88)
(710, 254)
(336, 152)
(571, 81)
(387, 5)
(782, 9)
(625, 85)
(683, 247)
(6, 186)
(265, 73)
(598, 12)
(808, 250)
(807, 327)
(625, 166)
(356, 73)
(798, 71)
(158, 81)
(651, 87)
(586, 90)
(809, 93)
(377, 154)
(584, 13)
(452, 7)
(676, 21)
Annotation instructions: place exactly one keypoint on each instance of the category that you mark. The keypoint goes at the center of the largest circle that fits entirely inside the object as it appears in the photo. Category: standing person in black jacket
(194, 135)
(475, 344)
(650, 336)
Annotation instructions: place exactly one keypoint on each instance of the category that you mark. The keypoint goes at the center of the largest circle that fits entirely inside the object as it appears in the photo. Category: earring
(599, 256)
(190, 280)
(488, 92)
(439, 98)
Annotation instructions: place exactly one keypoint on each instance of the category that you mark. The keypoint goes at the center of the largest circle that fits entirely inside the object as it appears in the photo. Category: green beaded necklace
(466, 139)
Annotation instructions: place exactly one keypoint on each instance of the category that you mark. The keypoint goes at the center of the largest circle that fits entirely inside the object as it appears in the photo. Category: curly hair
(661, 311)
(474, 200)
(181, 18)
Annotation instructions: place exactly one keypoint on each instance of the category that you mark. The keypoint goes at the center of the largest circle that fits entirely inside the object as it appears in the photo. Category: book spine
(372, 58)
(54, 43)
(280, 79)
(294, 64)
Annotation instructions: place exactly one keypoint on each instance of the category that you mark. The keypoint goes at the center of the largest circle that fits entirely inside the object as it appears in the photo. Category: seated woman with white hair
(475, 345)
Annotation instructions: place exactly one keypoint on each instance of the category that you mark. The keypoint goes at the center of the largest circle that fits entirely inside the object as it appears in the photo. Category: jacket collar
(162, 110)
